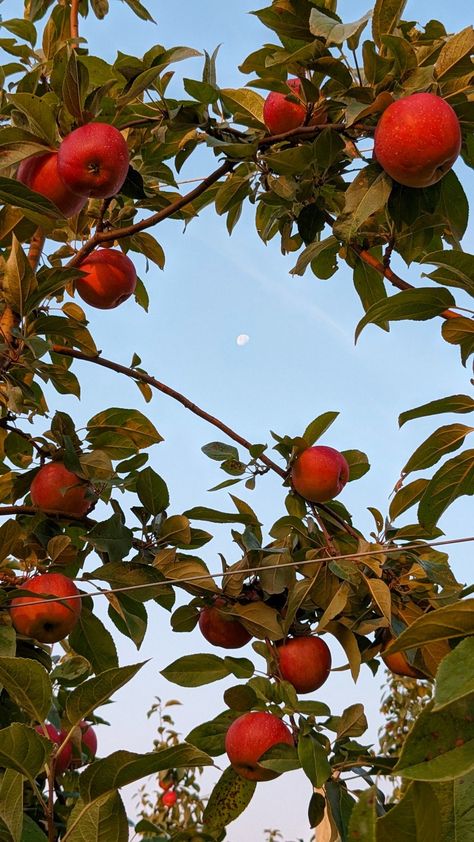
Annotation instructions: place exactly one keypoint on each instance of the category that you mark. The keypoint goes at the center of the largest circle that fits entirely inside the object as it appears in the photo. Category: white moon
(242, 339)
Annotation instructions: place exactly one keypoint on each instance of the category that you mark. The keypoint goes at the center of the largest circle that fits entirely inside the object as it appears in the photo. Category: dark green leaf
(453, 479)
(229, 798)
(455, 403)
(314, 760)
(104, 819)
(444, 623)
(365, 196)
(386, 16)
(318, 427)
(152, 491)
(91, 639)
(111, 537)
(27, 682)
(442, 441)
(416, 304)
(363, 818)
(196, 670)
(453, 680)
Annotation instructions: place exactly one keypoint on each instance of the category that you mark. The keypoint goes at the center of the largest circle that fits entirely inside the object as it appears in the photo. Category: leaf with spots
(228, 799)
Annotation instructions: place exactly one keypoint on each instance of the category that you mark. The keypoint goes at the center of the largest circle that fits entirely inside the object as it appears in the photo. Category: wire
(246, 572)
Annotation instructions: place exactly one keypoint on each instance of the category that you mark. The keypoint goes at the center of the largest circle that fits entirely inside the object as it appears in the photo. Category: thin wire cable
(245, 572)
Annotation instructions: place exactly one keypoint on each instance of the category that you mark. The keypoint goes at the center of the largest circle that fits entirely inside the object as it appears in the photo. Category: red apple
(280, 114)
(169, 798)
(46, 620)
(62, 760)
(93, 160)
(250, 736)
(319, 473)
(397, 662)
(40, 173)
(417, 139)
(110, 279)
(55, 488)
(305, 662)
(220, 629)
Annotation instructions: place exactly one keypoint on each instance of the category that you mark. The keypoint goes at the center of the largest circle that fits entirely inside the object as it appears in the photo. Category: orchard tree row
(90, 153)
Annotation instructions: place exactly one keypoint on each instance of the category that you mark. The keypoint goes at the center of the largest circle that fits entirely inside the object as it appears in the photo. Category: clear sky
(300, 360)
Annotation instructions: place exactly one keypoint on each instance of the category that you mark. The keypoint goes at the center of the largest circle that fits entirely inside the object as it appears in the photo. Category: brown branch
(36, 248)
(142, 377)
(118, 233)
(33, 510)
(40, 450)
(394, 279)
(74, 21)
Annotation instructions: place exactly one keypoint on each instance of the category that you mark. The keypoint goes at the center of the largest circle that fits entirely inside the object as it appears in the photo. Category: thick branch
(118, 233)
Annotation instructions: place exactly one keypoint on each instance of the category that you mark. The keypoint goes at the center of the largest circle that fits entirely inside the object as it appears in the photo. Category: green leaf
(121, 431)
(363, 818)
(324, 26)
(31, 831)
(455, 403)
(220, 451)
(111, 537)
(456, 269)
(314, 760)
(352, 723)
(280, 758)
(94, 692)
(213, 516)
(11, 802)
(386, 16)
(74, 86)
(365, 196)
(196, 670)
(40, 117)
(440, 746)
(444, 623)
(460, 332)
(128, 573)
(23, 749)
(416, 304)
(34, 206)
(210, 736)
(370, 286)
(91, 639)
(139, 10)
(145, 244)
(229, 798)
(246, 105)
(103, 820)
(312, 253)
(19, 280)
(259, 619)
(358, 463)
(442, 441)
(23, 29)
(456, 803)
(125, 767)
(406, 497)
(27, 682)
(152, 491)
(453, 680)
(454, 479)
(318, 427)
(415, 818)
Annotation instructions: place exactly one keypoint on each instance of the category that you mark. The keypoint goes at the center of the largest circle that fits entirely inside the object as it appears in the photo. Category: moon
(242, 339)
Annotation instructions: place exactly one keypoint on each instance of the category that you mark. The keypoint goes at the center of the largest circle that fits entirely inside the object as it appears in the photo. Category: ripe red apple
(417, 139)
(40, 173)
(397, 662)
(56, 489)
(64, 759)
(220, 629)
(45, 620)
(305, 662)
(111, 279)
(250, 736)
(280, 114)
(93, 160)
(169, 798)
(319, 473)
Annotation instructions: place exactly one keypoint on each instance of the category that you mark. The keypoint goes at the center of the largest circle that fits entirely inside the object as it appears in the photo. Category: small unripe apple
(305, 662)
(280, 114)
(319, 473)
(111, 279)
(249, 737)
(93, 160)
(55, 488)
(40, 173)
(62, 760)
(220, 629)
(165, 783)
(169, 798)
(46, 620)
(417, 139)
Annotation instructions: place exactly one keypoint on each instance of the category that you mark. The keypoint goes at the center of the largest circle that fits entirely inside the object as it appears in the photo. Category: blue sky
(300, 361)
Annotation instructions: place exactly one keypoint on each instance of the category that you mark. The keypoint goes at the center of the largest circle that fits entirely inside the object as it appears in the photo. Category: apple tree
(90, 154)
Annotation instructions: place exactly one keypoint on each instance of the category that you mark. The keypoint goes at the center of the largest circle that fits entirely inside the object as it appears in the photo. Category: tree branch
(5, 511)
(118, 233)
(74, 21)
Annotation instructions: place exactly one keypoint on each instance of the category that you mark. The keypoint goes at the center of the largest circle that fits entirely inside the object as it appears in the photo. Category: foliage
(316, 572)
